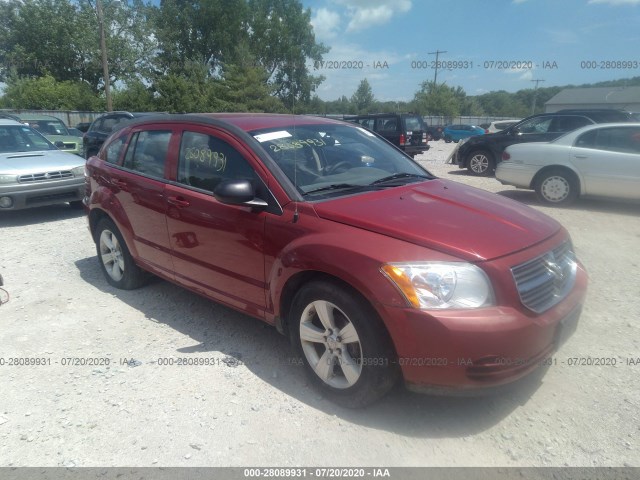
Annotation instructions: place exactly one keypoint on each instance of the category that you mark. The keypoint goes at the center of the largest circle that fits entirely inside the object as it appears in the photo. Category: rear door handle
(178, 202)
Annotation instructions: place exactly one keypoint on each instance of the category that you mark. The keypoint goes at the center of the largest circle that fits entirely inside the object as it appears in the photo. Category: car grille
(546, 280)
(45, 177)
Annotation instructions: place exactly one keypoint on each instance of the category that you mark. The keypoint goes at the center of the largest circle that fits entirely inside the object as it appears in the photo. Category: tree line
(197, 56)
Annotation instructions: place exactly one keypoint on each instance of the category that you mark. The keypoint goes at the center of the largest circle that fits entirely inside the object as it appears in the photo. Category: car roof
(244, 121)
(7, 121)
(36, 116)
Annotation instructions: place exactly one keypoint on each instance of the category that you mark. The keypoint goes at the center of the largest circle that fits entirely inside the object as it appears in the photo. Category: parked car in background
(33, 172)
(406, 131)
(499, 125)
(75, 132)
(83, 126)
(481, 154)
(455, 133)
(434, 132)
(338, 239)
(54, 130)
(102, 127)
(597, 160)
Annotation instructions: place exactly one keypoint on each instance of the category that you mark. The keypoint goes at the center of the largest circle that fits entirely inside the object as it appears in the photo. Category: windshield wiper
(335, 186)
(397, 176)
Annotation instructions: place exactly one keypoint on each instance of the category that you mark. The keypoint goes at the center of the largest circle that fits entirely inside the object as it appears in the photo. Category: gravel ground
(253, 406)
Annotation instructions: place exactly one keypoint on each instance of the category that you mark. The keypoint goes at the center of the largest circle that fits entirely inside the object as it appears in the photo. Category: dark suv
(102, 127)
(406, 131)
(480, 154)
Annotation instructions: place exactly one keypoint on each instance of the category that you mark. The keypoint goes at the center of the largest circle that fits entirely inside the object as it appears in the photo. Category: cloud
(616, 2)
(370, 13)
(325, 24)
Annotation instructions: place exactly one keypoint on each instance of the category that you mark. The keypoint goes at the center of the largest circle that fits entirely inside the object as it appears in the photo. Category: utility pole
(535, 92)
(437, 54)
(103, 52)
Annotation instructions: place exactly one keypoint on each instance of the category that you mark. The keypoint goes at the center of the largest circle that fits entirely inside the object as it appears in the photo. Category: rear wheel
(343, 344)
(558, 187)
(115, 260)
(481, 163)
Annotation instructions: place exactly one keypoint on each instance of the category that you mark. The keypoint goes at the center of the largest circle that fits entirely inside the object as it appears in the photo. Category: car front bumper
(471, 351)
(41, 194)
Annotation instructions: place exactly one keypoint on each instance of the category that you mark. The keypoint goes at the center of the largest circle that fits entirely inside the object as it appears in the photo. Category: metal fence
(70, 117)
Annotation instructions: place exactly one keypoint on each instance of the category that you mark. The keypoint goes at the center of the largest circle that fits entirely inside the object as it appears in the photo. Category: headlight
(78, 171)
(8, 178)
(440, 285)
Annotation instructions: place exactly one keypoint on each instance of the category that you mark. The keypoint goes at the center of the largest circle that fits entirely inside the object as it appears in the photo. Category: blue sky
(557, 34)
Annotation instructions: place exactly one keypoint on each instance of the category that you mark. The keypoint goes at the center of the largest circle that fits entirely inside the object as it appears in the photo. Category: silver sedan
(33, 172)
(600, 160)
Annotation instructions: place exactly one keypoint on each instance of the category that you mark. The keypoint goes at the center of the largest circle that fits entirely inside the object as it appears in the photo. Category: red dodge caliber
(374, 268)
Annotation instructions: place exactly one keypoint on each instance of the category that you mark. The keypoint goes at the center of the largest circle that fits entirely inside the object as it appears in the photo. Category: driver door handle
(178, 202)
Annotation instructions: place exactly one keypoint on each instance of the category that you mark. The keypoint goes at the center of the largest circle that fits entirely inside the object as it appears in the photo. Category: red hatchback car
(375, 269)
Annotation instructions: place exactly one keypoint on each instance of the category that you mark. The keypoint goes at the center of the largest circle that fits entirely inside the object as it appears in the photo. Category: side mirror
(238, 192)
(59, 145)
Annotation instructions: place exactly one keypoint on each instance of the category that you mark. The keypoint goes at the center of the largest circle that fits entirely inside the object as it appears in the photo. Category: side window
(387, 124)
(569, 123)
(536, 125)
(617, 139)
(587, 140)
(112, 152)
(367, 122)
(147, 152)
(206, 160)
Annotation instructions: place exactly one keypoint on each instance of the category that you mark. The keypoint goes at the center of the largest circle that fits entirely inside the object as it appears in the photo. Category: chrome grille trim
(547, 279)
(45, 177)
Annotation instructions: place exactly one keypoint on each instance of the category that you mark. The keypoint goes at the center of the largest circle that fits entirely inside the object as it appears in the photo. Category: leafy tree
(362, 100)
(38, 38)
(245, 87)
(434, 99)
(197, 31)
(49, 94)
(135, 96)
(281, 39)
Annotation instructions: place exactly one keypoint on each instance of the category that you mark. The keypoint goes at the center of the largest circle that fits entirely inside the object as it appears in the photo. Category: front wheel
(481, 163)
(558, 187)
(115, 260)
(343, 344)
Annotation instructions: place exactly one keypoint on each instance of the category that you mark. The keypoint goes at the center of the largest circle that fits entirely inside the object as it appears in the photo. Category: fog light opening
(6, 202)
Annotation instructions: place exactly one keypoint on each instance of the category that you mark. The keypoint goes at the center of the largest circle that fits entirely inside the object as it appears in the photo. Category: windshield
(49, 127)
(21, 138)
(337, 159)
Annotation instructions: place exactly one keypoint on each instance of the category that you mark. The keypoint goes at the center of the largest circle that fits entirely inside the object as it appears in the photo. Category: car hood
(21, 163)
(446, 216)
(64, 138)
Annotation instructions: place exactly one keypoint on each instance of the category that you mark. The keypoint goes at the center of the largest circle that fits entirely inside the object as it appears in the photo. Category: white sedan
(599, 160)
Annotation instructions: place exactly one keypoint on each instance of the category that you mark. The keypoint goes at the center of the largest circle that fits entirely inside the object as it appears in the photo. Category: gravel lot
(253, 406)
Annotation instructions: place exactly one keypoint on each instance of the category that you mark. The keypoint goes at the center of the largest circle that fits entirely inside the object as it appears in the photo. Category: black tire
(359, 371)
(481, 163)
(115, 260)
(447, 139)
(557, 187)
